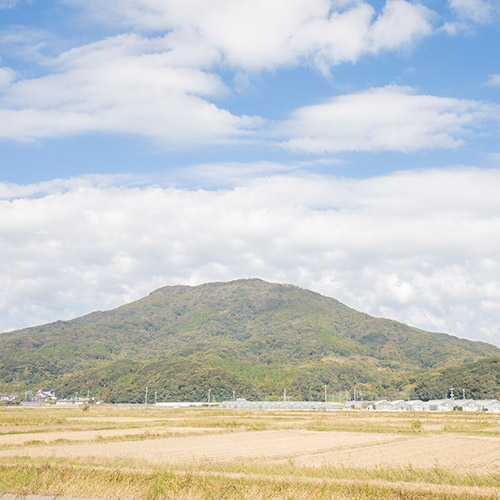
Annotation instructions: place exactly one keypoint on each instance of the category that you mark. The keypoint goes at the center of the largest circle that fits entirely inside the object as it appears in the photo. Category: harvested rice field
(109, 452)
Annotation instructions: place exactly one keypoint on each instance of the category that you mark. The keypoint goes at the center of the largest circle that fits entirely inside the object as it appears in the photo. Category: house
(383, 405)
(417, 405)
(468, 405)
(354, 405)
(401, 405)
(483, 403)
(44, 396)
(492, 407)
(441, 404)
(8, 398)
(242, 403)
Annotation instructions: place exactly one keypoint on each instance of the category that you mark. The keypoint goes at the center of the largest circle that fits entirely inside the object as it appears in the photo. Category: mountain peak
(242, 326)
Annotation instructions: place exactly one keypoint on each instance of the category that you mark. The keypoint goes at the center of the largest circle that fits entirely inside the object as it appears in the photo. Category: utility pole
(88, 395)
(146, 397)
(284, 394)
(209, 395)
(326, 395)
(463, 394)
(234, 395)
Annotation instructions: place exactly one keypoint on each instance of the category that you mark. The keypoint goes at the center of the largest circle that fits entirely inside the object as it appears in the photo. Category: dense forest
(478, 380)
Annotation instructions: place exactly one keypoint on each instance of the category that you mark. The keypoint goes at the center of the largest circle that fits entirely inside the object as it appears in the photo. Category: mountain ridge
(241, 330)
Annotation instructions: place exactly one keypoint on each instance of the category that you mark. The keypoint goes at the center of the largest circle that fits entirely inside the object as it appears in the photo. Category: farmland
(109, 452)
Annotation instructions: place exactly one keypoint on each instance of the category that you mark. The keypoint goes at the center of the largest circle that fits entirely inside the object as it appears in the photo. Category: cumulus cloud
(493, 80)
(471, 13)
(263, 34)
(389, 118)
(396, 246)
(132, 85)
(163, 82)
(477, 11)
(400, 24)
(125, 84)
(7, 76)
(162, 79)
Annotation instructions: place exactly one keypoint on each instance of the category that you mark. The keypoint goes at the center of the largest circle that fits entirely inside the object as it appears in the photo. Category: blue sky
(347, 146)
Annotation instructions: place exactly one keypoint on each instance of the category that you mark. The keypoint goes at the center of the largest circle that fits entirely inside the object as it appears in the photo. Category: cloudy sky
(351, 147)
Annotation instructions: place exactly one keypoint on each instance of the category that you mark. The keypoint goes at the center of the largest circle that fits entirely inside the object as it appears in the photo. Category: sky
(350, 147)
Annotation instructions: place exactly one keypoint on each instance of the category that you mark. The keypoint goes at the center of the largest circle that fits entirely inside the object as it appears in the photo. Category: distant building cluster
(243, 404)
(40, 397)
(489, 405)
(9, 398)
(37, 397)
(438, 405)
(48, 396)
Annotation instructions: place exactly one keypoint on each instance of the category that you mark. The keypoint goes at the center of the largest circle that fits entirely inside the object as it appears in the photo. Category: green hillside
(250, 336)
(480, 380)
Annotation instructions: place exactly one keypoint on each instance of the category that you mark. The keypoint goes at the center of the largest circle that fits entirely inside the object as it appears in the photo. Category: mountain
(479, 380)
(250, 336)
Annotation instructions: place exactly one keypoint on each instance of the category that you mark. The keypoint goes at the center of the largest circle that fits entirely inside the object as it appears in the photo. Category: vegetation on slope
(481, 380)
(250, 336)
(191, 378)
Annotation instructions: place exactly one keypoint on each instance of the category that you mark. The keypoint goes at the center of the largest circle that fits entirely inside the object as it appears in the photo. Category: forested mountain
(477, 380)
(250, 336)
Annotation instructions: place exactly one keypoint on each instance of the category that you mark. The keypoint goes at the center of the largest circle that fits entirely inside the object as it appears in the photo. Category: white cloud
(25, 43)
(265, 34)
(125, 84)
(131, 85)
(401, 23)
(471, 13)
(493, 80)
(9, 4)
(420, 247)
(7, 76)
(389, 118)
(477, 11)
(164, 87)
(493, 158)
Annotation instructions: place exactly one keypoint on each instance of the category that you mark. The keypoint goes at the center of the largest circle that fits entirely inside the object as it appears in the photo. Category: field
(107, 452)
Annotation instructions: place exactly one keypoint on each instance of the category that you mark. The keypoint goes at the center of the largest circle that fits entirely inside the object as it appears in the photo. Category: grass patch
(251, 478)
(220, 482)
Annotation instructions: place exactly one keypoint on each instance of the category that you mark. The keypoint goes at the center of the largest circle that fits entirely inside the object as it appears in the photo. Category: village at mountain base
(47, 397)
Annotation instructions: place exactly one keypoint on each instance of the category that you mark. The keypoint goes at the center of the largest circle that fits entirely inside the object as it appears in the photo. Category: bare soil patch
(267, 445)
(115, 419)
(90, 435)
(453, 451)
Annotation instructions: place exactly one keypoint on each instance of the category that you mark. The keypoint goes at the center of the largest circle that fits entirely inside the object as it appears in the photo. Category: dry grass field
(109, 452)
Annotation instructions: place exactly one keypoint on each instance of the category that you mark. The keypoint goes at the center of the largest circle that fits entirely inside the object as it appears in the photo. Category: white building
(7, 398)
(281, 405)
(383, 405)
(45, 395)
(468, 404)
(492, 407)
(401, 405)
(417, 405)
(441, 404)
